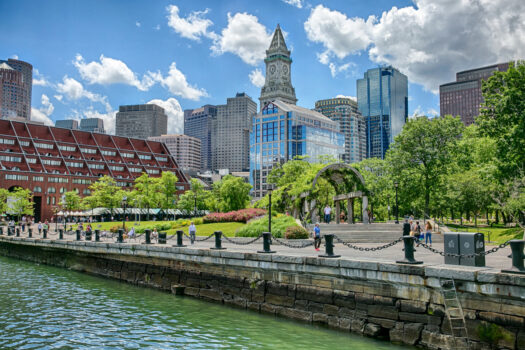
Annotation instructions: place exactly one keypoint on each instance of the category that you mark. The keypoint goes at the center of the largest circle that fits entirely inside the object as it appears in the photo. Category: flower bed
(243, 215)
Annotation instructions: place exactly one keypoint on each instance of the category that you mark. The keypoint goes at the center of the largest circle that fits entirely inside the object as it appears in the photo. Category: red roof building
(51, 161)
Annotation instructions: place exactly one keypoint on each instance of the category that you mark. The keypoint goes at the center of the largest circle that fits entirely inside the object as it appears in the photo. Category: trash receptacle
(162, 238)
(451, 247)
(472, 243)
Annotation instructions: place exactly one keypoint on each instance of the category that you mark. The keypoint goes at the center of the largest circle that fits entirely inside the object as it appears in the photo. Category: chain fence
(242, 243)
(483, 253)
(290, 245)
(366, 249)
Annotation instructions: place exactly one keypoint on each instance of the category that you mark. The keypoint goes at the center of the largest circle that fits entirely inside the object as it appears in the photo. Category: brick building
(51, 161)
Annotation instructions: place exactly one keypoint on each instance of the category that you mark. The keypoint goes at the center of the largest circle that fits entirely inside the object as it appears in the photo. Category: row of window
(10, 159)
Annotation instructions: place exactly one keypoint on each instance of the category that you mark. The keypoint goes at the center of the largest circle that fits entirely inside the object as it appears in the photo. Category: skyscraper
(185, 149)
(352, 124)
(92, 125)
(463, 97)
(282, 131)
(278, 83)
(16, 85)
(382, 98)
(67, 124)
(198, 123)
(141, 121)
(231, 133)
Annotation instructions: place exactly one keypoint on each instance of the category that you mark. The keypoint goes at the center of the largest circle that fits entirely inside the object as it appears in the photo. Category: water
(43, 307)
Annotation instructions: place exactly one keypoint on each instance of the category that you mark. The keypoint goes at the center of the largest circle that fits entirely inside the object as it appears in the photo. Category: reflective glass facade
(281, 132)
(382, 98)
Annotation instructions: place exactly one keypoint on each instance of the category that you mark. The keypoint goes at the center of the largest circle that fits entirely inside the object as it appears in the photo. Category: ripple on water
(43, 307)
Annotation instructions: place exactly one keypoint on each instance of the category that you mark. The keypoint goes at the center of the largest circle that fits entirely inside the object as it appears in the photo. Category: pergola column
(337, 212)
(365, 210)
(350, 206)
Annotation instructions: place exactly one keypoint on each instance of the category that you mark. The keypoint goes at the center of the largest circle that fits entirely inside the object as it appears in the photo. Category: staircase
(454, 313)
(371, 233)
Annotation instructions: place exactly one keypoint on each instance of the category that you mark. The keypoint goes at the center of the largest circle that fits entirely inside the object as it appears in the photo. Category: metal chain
(365, 249)
(200, 240)
(289, 245)
(490, 251)
(242, 243)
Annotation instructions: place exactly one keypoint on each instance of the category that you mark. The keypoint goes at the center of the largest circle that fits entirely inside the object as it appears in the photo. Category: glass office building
(382, 98)
(282, 131)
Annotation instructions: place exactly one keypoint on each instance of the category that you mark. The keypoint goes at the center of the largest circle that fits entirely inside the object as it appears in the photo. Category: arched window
(37, 189)
(63, 190)
(51, 190)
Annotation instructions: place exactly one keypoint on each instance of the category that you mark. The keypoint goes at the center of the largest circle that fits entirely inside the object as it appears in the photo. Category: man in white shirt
(327, 212)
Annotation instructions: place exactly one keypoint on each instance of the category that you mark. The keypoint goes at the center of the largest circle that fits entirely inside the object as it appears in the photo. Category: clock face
(272, 69)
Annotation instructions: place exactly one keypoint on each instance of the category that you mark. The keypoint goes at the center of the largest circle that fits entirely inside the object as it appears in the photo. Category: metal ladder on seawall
(454, 312)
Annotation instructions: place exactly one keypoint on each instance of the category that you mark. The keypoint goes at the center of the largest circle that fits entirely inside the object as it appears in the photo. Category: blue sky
(89, 57)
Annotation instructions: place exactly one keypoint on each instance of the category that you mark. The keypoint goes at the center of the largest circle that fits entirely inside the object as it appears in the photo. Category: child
(317, 237)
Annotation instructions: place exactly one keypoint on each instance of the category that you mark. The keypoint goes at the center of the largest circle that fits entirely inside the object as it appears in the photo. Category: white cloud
(174, 112)
(109, 118)
(336, 69)
(350, 97)
(245, 37)
(192, 27)
(15, 57)
(177, 84)
(42, 114)
(74, 90)
(137, 23)
(419, 112)
(430, 41)
(39, 79)
(111, 71)
(257, 78)
(157, 27)
(58, 97)
(296, 3)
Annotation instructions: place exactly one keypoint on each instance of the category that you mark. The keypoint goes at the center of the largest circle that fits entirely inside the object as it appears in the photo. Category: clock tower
(278, 84)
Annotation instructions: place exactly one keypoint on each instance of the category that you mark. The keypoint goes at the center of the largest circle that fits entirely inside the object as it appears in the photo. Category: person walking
(417, 231)
(39, 227)
(428, 233)
(327, 212)
(317, 237)
(192, 231)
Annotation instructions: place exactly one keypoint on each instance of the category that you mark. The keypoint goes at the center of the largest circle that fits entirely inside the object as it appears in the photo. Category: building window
(152, 171)
(86, 191)
(75, 164)
(44, 145)
(16, 177)
(63, 190)
(57, 180)
(67, 148)
(135, 170)
(37, 189)
(96, 166)
(51, 190)
(82, 181)
(116, 168)
(162, 159)
(127, 155)
(108, 153)
(7, 141)
(11, 159)
(51, 162)
(24, 143)
(38, 178)
(89, 150)
(144, 156)
(31, 160)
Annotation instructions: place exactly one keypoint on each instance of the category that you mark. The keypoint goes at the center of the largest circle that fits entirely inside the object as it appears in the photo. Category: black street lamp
(270, 189)
(124, 205)
(195, 205)
(396, 184)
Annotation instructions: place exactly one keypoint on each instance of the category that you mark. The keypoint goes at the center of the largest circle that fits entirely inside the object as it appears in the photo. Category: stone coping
(362, 268)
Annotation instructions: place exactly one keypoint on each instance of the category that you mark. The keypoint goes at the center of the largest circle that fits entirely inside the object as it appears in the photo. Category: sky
(90, 57)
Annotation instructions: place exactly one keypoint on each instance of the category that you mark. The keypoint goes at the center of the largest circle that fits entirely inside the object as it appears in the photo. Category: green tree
(71, 201)
(147, 191)
(4, 194)
(167, 188)
(107, 193)
(195, 195)
(502, 117)
(422, 154)
(21, 203)
(234, 193)
(378, 182)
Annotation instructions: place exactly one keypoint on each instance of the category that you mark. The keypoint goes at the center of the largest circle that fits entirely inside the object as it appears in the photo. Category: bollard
(408, 241)
(120, 238)
(88, 235)
(97, 235)
(18, 231)
(180, 234)
(218, 241)
(267, 241)
(44, 233)
(148, 237)
(29, 232)
(9, 233)
(78, 235)
(162, 237)
(329, 247)
(516, 247)
(60, 233)
(1, 230)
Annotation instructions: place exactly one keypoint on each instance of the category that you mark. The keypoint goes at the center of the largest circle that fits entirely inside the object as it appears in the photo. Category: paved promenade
(498, 260)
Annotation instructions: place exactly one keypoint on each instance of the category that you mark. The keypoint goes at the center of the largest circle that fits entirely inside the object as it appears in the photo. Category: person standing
(192, 231)
(417, 232)
(428, 233)
(317, 237)
(39, 227)
(327, 212)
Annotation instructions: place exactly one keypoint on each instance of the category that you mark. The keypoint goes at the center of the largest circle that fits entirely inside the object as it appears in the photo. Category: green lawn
(228, 228)
(494, 234)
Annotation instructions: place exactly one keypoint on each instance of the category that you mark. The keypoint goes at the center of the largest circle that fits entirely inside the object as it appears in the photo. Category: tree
(378, 182)
(502, 117)
(234, 193)
(4, 194)
(22, 203)
(167, 188)
(71, 201)
(196, 195)
(107, 193)
(146, 191)
(422, 152)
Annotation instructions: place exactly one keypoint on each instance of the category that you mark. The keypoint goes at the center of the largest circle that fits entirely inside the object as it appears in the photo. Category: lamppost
(64, 205)
(195, 204)
(124, 204)
(396, 184)
(270, 189)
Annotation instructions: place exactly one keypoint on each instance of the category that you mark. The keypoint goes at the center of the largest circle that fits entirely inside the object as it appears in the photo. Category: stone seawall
(386, 300)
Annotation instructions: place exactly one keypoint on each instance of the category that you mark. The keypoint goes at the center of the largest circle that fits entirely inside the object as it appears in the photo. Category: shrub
(115, 229)
(256, 227)
(243, 215)
(296, 232)
(491, 333)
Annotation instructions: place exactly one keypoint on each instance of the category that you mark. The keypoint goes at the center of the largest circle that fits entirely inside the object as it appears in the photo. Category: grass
(279, 225)
(227, 228)
(498, 234)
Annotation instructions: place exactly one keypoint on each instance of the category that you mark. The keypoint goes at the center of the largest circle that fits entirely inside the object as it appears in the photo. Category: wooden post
(337, 212)
(350, 206)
